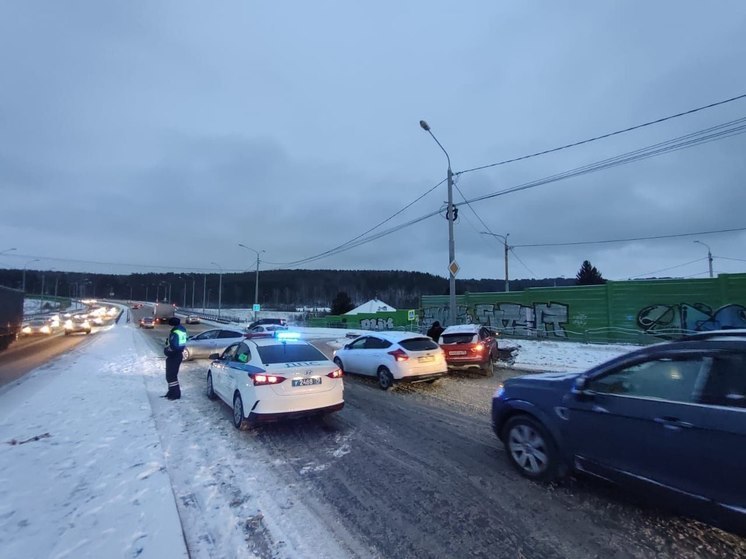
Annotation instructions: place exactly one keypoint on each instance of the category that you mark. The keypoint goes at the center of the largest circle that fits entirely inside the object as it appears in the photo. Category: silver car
(210, 341)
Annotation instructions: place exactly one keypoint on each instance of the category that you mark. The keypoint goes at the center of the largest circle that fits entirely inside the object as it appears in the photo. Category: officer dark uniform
(174, 352)
(435, 331)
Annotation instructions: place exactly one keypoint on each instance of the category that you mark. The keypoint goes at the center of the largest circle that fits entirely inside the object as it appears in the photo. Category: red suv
(469, 346)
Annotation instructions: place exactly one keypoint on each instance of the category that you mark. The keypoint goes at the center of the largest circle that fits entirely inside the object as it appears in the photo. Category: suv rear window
(289, 353)
(463, 338)
(418, 344)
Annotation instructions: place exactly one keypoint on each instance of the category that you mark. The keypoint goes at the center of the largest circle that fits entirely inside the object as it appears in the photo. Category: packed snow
(92, 465)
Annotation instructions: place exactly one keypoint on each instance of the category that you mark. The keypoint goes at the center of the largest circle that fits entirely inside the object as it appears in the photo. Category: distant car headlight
(86, 324)
(45, 329)
(68, 324)
(26, 330)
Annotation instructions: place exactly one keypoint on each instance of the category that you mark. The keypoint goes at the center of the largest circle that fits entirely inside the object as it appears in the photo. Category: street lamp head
(424, 125)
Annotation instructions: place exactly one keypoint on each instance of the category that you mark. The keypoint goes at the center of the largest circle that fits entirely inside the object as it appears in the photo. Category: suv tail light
(336, 373)
(261, 379)
(399, 355)
(479, 348)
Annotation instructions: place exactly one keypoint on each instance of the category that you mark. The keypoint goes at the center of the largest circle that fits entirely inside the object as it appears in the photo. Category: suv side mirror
(214, 356)
(580, 388)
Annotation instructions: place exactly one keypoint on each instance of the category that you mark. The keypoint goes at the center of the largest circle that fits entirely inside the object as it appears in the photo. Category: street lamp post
(709, 255)
(23, 281)
(507, 248)
(452, 265)
(256, 283)
(220, 288)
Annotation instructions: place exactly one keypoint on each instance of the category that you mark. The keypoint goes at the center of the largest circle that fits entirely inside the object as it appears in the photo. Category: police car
(270, 379)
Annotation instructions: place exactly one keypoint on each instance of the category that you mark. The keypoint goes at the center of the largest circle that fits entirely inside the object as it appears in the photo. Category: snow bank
(82, 471)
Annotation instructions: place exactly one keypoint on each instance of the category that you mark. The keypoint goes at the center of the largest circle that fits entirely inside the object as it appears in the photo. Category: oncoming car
(272, 379)
(192, 319)
(393, 357)
(265, 331)
(147, 322)
(36, 327)
(77, 324)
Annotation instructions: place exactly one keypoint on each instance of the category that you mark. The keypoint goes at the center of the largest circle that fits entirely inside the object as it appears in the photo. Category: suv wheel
(531, 449)
(185, 355)
(385, 378)
(489, 367)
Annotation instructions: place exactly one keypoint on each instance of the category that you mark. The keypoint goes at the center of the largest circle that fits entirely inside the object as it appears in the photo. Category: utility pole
(194, 282)
(220, 288)
(204, 293)
(506, 249)
(451, 215)
(709, 255)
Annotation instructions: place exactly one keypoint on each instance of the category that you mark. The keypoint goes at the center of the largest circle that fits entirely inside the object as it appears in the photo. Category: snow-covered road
(415, 472)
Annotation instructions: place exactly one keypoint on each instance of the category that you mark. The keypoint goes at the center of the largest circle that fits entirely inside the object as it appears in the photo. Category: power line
(671, 268)
(339, 248)
(473, 211)
(693, 139)
(682, 142)
(630, 239)
(530, 271)
(602, 136)
(726, 258)
(566, 146)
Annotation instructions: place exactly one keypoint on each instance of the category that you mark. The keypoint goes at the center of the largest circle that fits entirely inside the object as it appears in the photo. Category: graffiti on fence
(377, 324)
(668, 320)
(539, 319)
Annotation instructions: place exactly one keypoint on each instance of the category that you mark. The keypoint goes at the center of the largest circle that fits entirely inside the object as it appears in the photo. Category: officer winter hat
(174, 321)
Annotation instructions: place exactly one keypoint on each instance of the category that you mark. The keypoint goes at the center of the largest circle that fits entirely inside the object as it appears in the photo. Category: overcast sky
(158, 135)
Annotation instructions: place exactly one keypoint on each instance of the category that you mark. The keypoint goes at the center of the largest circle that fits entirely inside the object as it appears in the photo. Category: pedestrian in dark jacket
(435, 331)
(174, 352)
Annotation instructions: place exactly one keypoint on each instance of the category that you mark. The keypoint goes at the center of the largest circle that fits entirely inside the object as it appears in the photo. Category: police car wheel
(210, 390)
(239, 421)
(185, 355)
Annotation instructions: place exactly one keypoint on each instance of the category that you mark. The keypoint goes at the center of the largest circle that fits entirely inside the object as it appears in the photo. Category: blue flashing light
(287, 335)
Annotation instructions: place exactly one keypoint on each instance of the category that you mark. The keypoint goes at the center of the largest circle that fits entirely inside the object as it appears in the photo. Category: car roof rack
(734, 332)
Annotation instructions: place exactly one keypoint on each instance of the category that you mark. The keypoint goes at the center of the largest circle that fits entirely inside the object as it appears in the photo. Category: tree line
(278, 289)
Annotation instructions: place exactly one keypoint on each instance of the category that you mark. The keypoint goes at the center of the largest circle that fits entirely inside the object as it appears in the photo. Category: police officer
(435, 331)
(174, 351)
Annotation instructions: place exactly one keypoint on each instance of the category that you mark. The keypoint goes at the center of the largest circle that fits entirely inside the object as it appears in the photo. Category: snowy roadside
(83, 472)
(531, 355)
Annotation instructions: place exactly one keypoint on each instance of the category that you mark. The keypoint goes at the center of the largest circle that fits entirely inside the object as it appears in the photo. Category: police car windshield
(289, 353)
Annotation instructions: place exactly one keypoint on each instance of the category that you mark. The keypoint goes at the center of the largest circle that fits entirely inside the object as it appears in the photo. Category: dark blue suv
(668, 419)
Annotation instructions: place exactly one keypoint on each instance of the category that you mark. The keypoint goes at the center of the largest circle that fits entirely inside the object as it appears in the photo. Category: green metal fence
(640, 311)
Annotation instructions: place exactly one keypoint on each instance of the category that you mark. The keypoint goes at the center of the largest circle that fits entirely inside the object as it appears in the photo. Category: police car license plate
(306, 381)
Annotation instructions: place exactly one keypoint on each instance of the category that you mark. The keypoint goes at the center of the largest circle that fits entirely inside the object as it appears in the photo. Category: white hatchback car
(272, 379)
(393, 357)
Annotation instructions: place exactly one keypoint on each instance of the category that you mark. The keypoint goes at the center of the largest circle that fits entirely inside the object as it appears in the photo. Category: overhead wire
(342, 246)
(682, 142)
(631, 239)
(338, 247)
(693, 139)
(670, 268)
(603, 136)
(510, 248)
